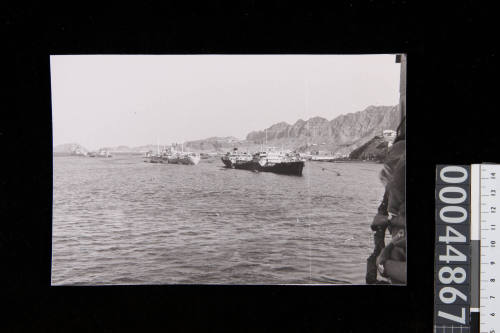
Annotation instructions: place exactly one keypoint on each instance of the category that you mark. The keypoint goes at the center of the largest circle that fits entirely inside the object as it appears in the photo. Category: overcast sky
(110, 100)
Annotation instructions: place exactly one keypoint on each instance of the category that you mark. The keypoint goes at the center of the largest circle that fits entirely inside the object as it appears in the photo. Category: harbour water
(122, 221)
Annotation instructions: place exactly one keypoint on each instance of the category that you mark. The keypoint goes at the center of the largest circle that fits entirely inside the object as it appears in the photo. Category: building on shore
(389, 136)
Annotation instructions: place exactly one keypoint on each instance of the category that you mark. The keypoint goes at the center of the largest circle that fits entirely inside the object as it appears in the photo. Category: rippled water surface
(122, 221)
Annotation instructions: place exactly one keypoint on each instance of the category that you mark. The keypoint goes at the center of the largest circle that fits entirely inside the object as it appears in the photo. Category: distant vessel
(78, 152)
(187, 158)
(152, 158)
(279, 161)
(238, 160)
(159, 157)
(171, 156)
(100, 153)
(269, 160)
(103, 153)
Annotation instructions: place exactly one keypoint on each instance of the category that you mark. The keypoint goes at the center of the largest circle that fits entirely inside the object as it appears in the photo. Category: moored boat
(78, 152)
(269, 160)
(238, 160)
(171, 156)
(153, 158)
(103, 153)
(279, 161)
(187, 158)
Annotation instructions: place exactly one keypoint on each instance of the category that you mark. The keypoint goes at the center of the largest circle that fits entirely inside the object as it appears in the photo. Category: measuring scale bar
(486, 180)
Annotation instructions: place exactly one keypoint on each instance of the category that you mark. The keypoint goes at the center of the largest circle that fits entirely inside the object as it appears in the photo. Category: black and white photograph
(228, 169)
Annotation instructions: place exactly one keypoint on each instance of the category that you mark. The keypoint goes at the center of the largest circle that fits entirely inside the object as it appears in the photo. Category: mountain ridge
(347, 130)
(341, 135)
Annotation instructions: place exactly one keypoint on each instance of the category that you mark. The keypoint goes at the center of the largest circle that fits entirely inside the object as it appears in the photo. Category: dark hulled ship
(279, 161)
(171, 156)
(270, 160)
(238, 160)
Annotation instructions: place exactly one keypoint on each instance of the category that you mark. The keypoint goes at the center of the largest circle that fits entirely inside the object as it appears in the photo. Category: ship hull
(243, 165)
(287, 168)
(188, 160)
(154, 159)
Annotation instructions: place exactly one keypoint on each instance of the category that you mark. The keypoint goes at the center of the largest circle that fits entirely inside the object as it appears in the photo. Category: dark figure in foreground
(390, 260)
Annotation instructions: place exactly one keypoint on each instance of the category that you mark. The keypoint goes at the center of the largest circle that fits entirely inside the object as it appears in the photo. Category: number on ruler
(488, 261)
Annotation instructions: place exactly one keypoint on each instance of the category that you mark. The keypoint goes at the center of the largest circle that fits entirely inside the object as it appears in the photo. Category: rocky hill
(126, 149)
(215, 144)
(341, 134)
(375, 149)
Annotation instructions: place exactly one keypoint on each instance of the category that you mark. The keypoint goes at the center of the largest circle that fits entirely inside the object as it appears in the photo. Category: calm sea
(122, 221)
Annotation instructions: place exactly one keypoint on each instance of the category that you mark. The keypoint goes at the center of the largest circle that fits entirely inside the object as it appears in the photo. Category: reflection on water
(122, 221)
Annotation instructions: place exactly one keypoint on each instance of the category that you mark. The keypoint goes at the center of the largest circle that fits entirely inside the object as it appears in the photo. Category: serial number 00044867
(452, 262)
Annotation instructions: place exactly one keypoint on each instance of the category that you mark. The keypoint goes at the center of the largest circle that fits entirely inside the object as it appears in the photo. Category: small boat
(78, 152)
(103, 153)
(153, 158)
(171, 156)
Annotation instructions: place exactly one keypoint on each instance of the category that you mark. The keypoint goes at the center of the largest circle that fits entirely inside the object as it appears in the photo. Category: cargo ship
(238, 160)
(186, 158)
(279, 161)
(269, 160)
(171, 156)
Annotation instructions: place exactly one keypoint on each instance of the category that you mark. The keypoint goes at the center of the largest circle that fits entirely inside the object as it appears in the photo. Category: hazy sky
(110, 100)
